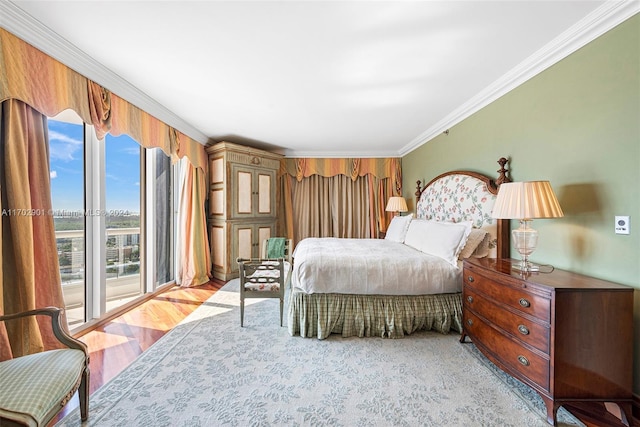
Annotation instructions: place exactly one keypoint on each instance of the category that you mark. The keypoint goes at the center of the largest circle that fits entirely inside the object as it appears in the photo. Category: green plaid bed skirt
(391, 316)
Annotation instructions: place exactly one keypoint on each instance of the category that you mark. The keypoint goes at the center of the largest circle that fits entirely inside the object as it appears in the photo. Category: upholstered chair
(35, 387)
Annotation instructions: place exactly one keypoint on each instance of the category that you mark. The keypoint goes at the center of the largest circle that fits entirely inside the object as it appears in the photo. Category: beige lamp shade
(396, 204)
(526, 200)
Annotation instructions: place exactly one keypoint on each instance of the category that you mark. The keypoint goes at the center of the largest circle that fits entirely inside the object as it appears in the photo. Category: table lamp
(396, 204)
(526, 201)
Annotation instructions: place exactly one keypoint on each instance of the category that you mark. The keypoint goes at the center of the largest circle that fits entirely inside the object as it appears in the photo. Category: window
(66, 157)
(114, 217)
(122, 219)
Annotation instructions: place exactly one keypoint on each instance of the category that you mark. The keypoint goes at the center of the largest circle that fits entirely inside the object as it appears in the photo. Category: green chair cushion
(30, 386)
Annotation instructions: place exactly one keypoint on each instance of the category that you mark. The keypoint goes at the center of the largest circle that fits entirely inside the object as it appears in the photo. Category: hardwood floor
(114, 345)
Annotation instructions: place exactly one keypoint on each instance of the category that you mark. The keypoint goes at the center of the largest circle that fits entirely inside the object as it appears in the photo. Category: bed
(412, 279)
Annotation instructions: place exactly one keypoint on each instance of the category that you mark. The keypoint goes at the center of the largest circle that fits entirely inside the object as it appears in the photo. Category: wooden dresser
(566, 335)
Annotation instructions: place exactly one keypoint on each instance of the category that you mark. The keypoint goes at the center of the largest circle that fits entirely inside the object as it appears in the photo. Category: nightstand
(566, 335)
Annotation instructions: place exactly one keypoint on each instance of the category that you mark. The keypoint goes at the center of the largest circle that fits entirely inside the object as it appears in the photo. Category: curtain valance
(351, 167)
(50, 87)
(40, 81)
(380, 168)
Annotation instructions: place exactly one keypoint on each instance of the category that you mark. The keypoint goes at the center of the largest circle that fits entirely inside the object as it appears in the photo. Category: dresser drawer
(520, 299)
(532, 333)
(527, 363)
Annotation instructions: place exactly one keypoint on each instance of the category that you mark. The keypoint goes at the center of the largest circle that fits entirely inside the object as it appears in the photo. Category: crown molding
(592, 26)
(339, 154)
(32, 31)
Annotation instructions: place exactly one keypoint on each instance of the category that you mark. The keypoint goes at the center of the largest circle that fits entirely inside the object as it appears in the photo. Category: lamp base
(525, 240)
(525, 267)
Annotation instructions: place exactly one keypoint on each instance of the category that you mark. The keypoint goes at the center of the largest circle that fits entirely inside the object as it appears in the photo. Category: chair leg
(281, 306)
(241, 313)
(83, 395)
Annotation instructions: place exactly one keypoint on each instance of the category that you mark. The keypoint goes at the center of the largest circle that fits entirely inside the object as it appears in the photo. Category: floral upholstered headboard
(466, 196)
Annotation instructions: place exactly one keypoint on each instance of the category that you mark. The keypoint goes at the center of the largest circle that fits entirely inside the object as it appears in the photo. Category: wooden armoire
(242, 209)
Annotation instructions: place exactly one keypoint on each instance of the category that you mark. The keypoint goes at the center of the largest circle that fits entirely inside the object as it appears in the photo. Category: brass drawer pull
(470, 298)
(523, 302)
(470, 279)
(523, 360)
(470, 322)
(523, 330)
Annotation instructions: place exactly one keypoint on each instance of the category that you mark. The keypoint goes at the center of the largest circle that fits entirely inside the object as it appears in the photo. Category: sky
(66, 153)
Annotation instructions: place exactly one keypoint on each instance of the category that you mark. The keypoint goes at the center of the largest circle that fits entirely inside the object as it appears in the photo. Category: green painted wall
(577, 124)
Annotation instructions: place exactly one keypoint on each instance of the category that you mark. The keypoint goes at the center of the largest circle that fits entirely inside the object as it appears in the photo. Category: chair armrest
(56, 325)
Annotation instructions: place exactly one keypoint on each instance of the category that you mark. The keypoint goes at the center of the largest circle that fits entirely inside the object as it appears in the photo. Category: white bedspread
(370, 266)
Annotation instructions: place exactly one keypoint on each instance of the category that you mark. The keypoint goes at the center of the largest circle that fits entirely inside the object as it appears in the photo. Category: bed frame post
(418, 192)
(504, 231)
(502, 177)
(504, 225)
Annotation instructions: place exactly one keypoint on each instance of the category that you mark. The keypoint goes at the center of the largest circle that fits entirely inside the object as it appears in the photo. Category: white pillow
(398, 228)
(442, 239)
(416, 234)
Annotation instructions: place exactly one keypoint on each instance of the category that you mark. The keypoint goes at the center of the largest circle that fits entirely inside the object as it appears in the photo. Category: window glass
(66, 159)
(163, 211)
(122, 220)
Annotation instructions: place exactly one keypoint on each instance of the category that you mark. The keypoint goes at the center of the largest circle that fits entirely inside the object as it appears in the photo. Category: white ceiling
(312, 78)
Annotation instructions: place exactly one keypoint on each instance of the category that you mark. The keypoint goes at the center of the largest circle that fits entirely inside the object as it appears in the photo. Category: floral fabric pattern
(457, 198)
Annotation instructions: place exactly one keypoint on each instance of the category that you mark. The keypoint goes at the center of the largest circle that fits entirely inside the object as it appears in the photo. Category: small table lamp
(396, 204)
(525, 201)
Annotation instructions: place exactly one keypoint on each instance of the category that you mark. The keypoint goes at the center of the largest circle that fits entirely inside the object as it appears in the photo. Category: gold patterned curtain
(40, 81)
(352, 167)
(29, 277)
(193, 246)
(334, 206)
(318, 202)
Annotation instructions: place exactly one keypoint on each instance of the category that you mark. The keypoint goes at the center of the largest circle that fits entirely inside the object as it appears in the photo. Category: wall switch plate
(622, 225)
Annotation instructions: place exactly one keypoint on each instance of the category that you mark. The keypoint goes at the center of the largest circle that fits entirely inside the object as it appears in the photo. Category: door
(253, 192)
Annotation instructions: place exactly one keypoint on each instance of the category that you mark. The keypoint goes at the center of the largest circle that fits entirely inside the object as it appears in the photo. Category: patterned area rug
(209, 372)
